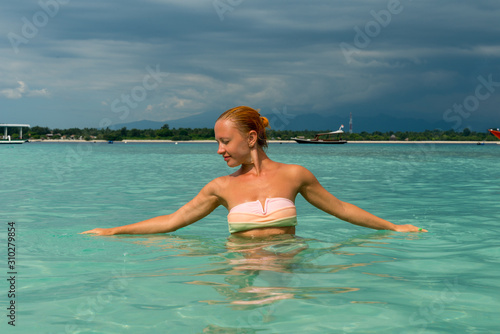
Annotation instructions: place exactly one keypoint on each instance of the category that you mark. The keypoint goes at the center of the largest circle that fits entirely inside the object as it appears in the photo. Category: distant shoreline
(270, 141)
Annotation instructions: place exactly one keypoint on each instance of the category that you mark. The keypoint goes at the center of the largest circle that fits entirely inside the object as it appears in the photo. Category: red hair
(247, 119)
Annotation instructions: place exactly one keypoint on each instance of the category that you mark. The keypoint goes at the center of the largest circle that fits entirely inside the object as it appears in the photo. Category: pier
(7, 139)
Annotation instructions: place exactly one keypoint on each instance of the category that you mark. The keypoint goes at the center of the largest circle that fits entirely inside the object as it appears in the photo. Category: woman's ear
(252, 138)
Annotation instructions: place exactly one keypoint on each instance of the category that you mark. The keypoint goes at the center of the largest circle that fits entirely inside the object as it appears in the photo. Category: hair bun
(265, 122)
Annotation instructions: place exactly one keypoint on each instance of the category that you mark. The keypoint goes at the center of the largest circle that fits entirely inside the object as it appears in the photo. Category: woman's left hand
(409, 228)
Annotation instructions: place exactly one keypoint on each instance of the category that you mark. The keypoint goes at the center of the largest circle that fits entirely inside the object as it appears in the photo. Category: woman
(259, 196)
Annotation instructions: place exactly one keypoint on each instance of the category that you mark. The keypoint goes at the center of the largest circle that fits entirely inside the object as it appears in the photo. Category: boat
(334, 137)
(7, 138)
(495, 132)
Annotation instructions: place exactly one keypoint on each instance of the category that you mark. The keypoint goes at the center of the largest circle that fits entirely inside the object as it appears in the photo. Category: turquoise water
(332, 277)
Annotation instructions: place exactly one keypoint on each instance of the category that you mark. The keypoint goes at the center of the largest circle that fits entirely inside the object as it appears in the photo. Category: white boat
(334, 137)
(7, 138)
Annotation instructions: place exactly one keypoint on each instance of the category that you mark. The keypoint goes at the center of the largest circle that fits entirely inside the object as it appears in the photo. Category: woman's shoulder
(289, 167)
(220, 182)
(216, 188)
(293, 170)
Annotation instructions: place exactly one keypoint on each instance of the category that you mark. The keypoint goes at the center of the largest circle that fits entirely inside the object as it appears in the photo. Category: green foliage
(427, 135)
(166, 133)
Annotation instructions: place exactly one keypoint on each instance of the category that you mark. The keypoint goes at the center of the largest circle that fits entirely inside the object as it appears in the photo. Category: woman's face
(233, 146)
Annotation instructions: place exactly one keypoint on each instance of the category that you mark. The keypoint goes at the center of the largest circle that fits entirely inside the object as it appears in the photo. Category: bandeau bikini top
(277, 212)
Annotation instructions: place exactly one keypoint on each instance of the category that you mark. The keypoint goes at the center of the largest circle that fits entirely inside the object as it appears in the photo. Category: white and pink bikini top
(277, 212)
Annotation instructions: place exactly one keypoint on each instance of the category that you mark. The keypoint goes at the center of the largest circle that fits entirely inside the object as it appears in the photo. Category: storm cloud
(67, 63)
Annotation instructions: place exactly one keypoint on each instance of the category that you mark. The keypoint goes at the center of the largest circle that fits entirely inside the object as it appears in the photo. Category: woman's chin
(233, 164)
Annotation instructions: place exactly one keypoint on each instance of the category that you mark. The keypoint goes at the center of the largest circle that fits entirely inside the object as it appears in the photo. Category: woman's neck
(258, 159)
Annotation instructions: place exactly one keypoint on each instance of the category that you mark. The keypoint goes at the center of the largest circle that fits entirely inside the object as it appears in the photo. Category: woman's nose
(220, 149)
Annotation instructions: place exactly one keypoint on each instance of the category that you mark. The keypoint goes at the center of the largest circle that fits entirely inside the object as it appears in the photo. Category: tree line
(166, 133)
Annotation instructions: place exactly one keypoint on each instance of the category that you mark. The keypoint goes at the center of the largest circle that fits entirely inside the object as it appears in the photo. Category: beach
(270, 141)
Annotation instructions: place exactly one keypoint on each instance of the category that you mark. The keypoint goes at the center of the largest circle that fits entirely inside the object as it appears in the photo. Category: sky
(67, 63)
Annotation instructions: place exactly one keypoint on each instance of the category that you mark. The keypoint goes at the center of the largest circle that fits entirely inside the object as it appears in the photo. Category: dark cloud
(406, 59)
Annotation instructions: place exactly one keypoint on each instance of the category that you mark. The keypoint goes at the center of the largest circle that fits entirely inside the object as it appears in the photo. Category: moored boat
(495, 132)
(12, 141)
(334, 137)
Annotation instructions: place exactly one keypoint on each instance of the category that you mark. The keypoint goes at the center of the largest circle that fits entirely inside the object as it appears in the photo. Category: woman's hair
(247, 119)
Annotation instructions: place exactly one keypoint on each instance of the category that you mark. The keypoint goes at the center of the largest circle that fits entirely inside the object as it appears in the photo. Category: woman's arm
(200, 206)
(318, 196)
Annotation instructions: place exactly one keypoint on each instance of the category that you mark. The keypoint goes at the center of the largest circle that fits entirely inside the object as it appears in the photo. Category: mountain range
(281, 121)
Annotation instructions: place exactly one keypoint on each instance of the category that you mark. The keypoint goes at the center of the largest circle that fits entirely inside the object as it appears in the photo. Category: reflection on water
(250, 273)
